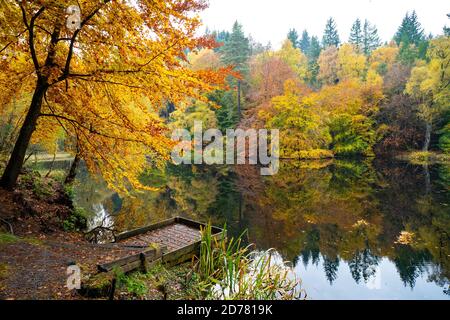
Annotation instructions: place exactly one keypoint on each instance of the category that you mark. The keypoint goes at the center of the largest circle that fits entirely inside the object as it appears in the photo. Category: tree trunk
(426, 145)
(16, 160)
(73, 170)
(239, 99)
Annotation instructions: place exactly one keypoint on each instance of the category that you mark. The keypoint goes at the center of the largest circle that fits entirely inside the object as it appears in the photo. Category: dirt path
(36, 269)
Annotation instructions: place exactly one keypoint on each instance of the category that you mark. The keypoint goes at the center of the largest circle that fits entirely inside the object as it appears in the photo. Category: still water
(353, 230)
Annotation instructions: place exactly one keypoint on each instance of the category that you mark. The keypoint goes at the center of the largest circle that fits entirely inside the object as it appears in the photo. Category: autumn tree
(303, 131)
(350, 63)
(429, 84)
(267, 77)
(295, 59)
(328, 66)
(103, 80)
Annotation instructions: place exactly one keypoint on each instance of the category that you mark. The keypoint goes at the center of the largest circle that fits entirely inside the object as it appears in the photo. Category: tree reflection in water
(334, 213)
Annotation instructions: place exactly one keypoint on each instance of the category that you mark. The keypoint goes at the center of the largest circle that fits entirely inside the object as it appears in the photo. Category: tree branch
(74, 37)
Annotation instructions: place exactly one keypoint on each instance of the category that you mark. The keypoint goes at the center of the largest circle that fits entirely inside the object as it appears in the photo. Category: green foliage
(293, 37)
(356, 36)
(7, 238)
(330, 35)
(370, 40)
(133, 283)
(236, 50)
(227, 115)
(305, 42)
(410, 30)
(76, 221)
(444, 140)
(352, 135)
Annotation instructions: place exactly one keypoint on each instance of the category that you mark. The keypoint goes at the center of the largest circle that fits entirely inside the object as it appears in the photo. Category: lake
(352, 229)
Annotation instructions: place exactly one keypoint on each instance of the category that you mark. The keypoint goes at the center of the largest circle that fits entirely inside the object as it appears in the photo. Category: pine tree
(330, 36)
(305, 42)
(314, 49)
(371, 40)
(356, 35)
(447, 29)
(410, 31)
(236, 50)
(313, 54)
(411, 40)
(293, 36)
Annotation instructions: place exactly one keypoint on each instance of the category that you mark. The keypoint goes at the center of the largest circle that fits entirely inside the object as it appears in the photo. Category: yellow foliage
(351, 64)
(295, 59)
(105, 82)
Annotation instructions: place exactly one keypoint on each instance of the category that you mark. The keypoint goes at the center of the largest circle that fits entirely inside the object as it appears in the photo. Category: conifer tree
(356, 35)
(305, 42)
(293, 37)
(410, 30)
(330, 36)
(236, 50)
(370, 40)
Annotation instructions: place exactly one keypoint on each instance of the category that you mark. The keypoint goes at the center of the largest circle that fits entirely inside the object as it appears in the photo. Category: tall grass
(229, 270)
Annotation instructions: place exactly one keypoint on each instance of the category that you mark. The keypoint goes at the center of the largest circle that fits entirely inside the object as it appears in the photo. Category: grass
(7, 238)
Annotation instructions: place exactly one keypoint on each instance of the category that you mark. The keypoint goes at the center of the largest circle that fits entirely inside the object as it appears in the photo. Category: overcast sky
(270, 20)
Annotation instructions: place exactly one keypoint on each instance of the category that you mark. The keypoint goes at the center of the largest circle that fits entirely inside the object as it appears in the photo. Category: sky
(270, 20)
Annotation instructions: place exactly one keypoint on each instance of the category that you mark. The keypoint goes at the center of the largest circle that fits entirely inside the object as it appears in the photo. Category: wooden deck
(172, 237)
(172, 241)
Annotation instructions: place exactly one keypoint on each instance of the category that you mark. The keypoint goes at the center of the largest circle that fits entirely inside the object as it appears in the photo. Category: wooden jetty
(171, 242)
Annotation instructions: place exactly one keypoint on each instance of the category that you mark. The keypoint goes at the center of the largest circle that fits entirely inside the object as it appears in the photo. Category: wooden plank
(132, 262)
(196, 225)
(138, 231)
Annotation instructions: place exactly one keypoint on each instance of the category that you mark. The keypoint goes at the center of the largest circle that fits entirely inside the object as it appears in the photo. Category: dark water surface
(353, 229)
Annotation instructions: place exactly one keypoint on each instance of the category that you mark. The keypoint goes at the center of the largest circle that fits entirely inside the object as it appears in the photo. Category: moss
(7, 238)
(97, 286)
(4, 271)
(76, 221)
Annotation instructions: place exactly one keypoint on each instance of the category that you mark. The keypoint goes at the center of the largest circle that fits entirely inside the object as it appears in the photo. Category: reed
(229, 270)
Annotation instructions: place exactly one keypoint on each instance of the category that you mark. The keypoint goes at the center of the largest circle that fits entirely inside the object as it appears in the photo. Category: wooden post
(143, 259)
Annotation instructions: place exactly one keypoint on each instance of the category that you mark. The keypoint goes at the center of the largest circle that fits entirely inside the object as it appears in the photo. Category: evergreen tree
(356, 35)
(293, 36)
(305, 42)
(411, 40)
(371, 40)
(313, 54)
(220, 37)
(236, 50)
(410, 31)
(447, 29)
(314, 50)
(330, 35)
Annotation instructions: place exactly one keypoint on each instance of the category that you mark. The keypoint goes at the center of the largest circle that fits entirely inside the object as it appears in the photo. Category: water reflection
(353, 229)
